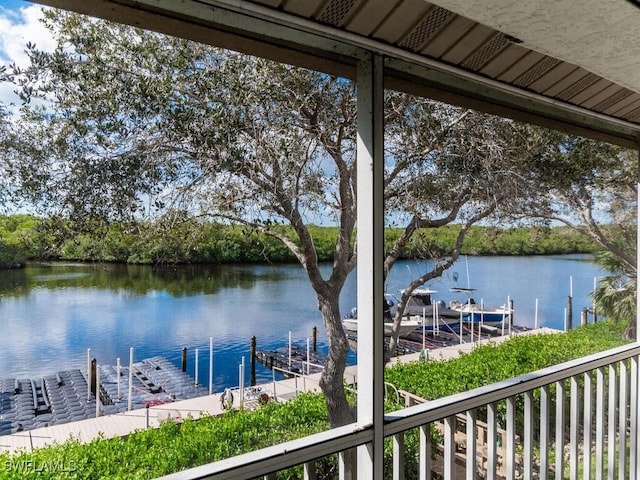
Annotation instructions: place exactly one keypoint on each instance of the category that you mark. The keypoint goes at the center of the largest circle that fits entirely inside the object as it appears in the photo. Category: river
(50, 314)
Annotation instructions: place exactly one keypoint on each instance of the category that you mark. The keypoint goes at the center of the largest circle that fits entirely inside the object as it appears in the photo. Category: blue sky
(19, 24)
(14, 4)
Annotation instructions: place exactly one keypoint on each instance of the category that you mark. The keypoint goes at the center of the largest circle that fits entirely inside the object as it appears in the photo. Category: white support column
(370, 245)
(398, 456)
(472, 442)
(635, 372)
(492, 437)
(611, 421)
(600, 423)
(560, 419)
(449, 447)
(633, 412)
(511, 438)
(528, 435)
(574, 407)
(424, 469)
(587, 423)
(544, 432)
(623, 390)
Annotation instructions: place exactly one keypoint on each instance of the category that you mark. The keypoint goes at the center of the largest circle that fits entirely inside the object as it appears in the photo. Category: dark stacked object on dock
(26, 404)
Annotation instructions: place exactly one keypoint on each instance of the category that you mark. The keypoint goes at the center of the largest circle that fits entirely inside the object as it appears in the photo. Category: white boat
(406, 326)
(432, 316)
(478, 313)
(420, 313)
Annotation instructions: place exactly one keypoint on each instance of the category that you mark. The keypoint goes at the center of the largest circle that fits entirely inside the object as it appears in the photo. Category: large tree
(447, 166)
(592, 188)
(134, 124)
(5, 145)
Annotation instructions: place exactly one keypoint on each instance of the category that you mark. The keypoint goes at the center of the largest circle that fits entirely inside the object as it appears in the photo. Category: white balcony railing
(560, 422)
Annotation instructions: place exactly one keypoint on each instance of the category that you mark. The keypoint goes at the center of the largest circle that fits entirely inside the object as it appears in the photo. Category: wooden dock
(122, 424)
(298, 362)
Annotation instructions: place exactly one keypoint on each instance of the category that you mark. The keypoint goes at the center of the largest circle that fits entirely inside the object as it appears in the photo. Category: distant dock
(298, 360)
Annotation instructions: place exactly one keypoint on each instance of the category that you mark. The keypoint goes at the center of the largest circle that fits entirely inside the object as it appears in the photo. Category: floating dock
(27, 404)
(414, 343)
(297, 361)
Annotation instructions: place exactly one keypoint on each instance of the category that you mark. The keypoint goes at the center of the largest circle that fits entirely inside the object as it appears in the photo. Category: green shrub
(170, 448)
(493, 363)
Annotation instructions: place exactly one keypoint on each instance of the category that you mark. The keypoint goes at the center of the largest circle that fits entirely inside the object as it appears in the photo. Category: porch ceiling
(574, 66)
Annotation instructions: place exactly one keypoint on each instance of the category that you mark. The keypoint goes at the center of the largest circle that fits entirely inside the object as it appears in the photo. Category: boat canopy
(421, 303)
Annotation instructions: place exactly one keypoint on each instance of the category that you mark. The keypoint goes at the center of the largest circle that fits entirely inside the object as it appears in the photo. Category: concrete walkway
(122, 424)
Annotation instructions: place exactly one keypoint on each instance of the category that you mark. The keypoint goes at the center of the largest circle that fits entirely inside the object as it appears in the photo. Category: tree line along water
(24, 237)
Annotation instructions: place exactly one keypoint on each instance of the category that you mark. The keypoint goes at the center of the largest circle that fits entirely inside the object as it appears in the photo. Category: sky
(19, 24)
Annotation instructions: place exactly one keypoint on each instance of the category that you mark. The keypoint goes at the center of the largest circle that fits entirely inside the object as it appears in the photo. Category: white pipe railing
(612, 418)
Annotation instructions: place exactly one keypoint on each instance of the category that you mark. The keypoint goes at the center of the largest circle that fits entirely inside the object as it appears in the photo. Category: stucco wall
(601, 35)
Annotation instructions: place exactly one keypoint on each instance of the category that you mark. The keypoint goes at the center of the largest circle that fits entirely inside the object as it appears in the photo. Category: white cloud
(17, 28)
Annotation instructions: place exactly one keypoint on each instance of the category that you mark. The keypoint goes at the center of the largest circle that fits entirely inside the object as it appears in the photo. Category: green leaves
(493, 363)
(171, 447)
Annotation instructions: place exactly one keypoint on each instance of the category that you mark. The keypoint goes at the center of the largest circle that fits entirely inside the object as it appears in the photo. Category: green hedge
(490, 363)
(170, 448)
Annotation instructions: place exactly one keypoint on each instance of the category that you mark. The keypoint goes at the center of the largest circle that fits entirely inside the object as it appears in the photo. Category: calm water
(51, 314)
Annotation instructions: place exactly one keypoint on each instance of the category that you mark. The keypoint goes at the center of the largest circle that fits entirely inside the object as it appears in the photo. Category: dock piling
(196, 371)
(210, 365)
(92, 376)
(314, 338)
(97, 391)
(184, 359)
(130, 403)
(253, 360)
(510, 306)
(118, 374)
(511, 311)
(241, 383)
(88, 374)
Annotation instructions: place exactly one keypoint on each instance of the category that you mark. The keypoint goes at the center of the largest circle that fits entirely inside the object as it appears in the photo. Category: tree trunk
(630, 331)
(332, 379)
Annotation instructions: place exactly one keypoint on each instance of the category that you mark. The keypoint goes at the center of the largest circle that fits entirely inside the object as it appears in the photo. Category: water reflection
(51, 313)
